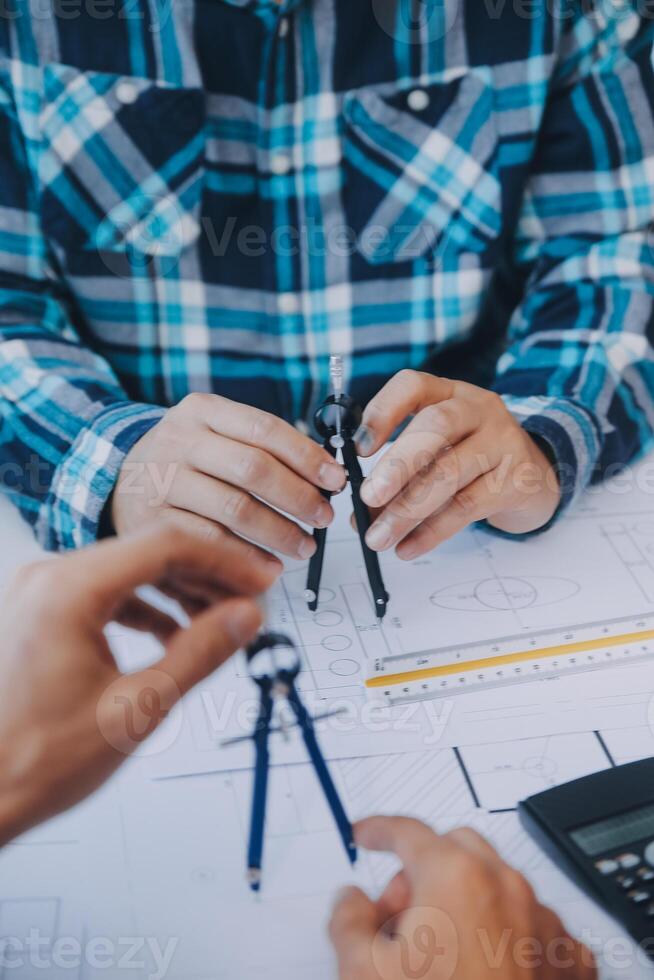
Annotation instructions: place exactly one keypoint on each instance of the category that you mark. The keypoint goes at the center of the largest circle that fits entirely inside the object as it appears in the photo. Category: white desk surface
(150, 872)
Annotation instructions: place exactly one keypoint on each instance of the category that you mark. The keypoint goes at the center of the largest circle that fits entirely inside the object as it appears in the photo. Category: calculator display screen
(625, 828)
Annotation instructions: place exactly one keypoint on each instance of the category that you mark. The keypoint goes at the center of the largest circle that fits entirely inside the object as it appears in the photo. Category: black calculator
(600, 831)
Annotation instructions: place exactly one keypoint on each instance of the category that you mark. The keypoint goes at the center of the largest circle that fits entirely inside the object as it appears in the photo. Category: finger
(193, 590)
(108, 573)
(563, 956)
(474, 503)
(241, 513)
(374, 514)
(136, 614)
(214, 636)
(241, 552)
(405, 394)
(427, 435)
(352, 928)
(200, 591)
(264, 431)
(258, 472)
(192, 607)
(475, 844)
(395, 898)
(411, 840)
(452, 471)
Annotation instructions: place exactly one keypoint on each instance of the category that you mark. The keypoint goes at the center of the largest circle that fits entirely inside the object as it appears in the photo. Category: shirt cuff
(85, 479)
(570, 436)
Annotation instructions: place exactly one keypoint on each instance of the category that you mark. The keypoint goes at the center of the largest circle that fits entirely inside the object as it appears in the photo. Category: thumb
(213, 636)
(352, 929)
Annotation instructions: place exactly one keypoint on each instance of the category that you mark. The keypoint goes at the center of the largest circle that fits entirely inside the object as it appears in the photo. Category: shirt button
(418, 100)
(127, 93)
(283, 27)
(280, 164)
(288, 304)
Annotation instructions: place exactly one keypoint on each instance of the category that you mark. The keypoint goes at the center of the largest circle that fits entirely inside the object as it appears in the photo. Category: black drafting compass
(274, 663)
(337, 421)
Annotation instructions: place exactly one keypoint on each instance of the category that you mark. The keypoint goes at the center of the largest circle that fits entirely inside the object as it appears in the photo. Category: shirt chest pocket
(420, 170)
(121, 166)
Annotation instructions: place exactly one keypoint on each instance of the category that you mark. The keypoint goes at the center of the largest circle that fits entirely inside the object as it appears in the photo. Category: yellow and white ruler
(518, 659)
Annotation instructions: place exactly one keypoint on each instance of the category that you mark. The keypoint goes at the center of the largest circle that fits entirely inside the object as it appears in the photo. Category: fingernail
(323, 516)
(376, 491)
(306, 548)
(364, 439)
(243, 622)
(380, 536)
(368, 492)
(332, 476)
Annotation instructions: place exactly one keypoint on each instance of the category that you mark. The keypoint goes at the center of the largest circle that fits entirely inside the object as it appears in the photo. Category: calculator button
(607, 867)
(638, 897)
(628, 860)
(645, 874)
(626, 881)
(649, 853)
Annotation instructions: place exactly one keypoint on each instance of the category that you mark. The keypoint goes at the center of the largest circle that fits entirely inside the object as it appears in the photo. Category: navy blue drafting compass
(274, 664)
(336, 421)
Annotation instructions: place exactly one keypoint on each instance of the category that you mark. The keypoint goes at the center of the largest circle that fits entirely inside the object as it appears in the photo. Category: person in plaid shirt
(202, 201)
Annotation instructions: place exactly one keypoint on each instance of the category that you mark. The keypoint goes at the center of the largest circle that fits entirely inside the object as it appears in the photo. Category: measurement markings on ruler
(433, 673)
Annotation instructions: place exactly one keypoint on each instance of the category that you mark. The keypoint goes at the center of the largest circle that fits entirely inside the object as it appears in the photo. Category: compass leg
(363, 521)
(329, 789)
(314, 575)
(257, 824)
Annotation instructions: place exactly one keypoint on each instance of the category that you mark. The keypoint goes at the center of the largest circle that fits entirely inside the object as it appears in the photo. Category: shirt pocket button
(417, 100)
(127, 93)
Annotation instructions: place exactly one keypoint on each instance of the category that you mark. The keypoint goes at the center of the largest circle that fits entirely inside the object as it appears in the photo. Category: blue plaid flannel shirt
(217, 195)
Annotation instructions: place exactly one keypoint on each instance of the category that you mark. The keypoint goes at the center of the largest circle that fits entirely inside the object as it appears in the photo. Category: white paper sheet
(593, 567)
(155, 870)
(149, 874)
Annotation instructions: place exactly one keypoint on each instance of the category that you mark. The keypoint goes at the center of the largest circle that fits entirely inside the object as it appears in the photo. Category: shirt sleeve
(578, 371)
(66, 423)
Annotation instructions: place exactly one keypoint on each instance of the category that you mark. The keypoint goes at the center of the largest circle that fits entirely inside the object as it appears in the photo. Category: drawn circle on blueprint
(337, 642)
(541, 766)
(328, 618)
(295, 583)
(426, 939)
(344, 668)
(502, 594)
(141, 724)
